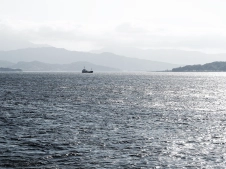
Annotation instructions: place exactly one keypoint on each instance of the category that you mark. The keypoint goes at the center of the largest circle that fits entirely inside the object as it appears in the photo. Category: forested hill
(208, 67)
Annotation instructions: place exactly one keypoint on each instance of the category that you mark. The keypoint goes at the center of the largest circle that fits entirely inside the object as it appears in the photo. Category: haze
(113, 25)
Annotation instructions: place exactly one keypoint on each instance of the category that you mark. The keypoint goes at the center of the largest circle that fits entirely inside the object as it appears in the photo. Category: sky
(85, 25)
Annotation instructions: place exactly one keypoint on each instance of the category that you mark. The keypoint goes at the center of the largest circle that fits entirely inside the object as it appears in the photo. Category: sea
(112, 120)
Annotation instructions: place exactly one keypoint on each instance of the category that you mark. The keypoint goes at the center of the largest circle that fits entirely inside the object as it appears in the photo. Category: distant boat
(86, 71)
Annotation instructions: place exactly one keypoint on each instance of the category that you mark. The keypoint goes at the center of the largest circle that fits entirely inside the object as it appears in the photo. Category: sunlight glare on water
(112, 120)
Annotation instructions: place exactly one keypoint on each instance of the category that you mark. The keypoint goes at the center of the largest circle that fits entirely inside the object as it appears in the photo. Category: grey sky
(93, 24)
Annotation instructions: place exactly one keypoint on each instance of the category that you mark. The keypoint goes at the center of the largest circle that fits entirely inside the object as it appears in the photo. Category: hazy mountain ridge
(76, 66)
(9, 43)
(63, 56)
(166, 55)
(208, 67)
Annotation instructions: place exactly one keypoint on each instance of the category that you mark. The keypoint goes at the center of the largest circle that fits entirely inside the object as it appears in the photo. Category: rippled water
(112, 120)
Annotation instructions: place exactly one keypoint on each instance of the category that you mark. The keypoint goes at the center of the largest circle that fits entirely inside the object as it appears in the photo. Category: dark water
(127, 120)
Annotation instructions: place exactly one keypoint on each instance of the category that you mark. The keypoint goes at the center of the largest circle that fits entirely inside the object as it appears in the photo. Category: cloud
(129, 28)
(202, 42)
(74, 36)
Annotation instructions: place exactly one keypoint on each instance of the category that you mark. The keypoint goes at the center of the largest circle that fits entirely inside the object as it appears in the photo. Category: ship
(86, 71)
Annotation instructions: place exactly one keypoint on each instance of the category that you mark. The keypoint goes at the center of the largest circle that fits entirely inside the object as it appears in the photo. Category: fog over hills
(61, 56)
(166, 55)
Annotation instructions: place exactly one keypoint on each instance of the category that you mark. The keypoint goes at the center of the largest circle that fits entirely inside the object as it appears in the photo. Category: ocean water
(112, 120)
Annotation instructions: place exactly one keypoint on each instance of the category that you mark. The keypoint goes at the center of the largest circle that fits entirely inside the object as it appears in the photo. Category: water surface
(112, 120)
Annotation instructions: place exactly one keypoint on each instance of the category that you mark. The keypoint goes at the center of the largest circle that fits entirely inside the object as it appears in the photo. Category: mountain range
(175, 56)
(8, 43)
(53, 55)
(16, 49)
(76, 66)
(45, 58)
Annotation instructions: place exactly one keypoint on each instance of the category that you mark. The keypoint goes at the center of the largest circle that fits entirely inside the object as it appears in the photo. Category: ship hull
(87, 71)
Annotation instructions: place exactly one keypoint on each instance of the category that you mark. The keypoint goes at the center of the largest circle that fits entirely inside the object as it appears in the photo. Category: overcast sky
(85, 25)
